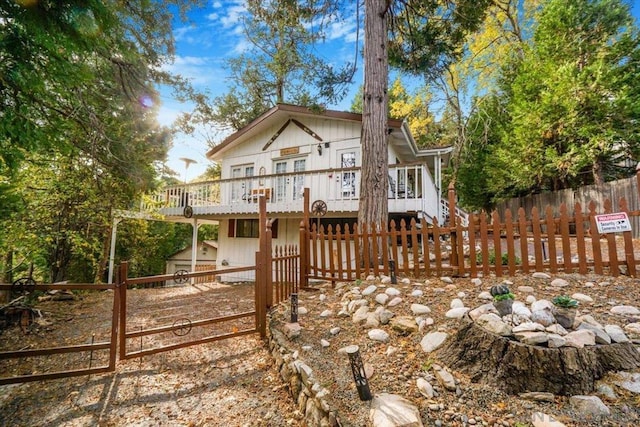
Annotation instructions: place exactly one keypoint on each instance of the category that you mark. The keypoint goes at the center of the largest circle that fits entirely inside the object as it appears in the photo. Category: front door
(289, 187)
(241, 189)
(347, 180)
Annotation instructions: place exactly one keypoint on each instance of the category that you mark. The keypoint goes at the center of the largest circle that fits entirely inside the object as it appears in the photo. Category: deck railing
(407, 182)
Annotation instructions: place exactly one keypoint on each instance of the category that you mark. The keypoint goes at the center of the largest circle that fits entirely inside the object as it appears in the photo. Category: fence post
(305, 242)
(452, 225)
(638, 178)
(264, 281)
(123, 274)
(265, 249)
(304, 256)
(261, 306)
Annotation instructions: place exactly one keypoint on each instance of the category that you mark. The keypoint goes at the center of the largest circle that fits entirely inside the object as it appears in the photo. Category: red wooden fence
(488, 245)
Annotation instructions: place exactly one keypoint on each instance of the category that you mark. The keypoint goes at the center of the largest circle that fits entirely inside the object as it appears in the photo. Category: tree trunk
(598, 174)
(515, 367)
(104, 258)
(7, 274)
(374, 183)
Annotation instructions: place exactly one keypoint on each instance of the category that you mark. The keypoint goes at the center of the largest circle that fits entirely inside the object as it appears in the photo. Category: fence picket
(314, 251)
(375, 249)
(473, 261)
(384, 237)
(331, 254)
(323, 254)
(497, 243)
(394, 242)
(580, 239)
(566, 244)
(484, 243)
(524, 242)
(405, 251)
(537, 238)
(595, 239)
(611, 245)
(460, 248)
(366, 254)
(628, 243)
(511, 251)
(551, 239)
(437, 247)
(356, 249)
(426, 259)
(339, 251)
(414, 246)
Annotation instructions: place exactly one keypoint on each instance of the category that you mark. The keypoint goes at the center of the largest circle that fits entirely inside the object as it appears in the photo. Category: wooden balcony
(411, 189)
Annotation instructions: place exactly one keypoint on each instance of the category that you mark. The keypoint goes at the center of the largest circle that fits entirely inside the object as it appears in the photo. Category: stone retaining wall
(306, 392)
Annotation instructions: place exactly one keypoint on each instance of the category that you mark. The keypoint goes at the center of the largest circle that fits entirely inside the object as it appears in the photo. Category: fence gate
(171, 320)
(173, 317)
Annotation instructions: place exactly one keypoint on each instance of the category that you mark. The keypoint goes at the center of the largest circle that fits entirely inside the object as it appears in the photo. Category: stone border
(303, 387)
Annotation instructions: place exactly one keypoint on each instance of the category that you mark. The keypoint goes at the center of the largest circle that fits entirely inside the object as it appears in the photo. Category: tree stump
(515, 367)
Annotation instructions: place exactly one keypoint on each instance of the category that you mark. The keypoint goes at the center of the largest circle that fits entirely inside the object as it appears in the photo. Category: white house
(287, 149)
(207, 253)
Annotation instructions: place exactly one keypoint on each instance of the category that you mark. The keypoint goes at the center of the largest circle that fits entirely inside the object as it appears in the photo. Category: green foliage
(426, 36)
(78, 133)
(565, 110)
(564, 301)
(280, 66)
(502, 297)
(427, 365)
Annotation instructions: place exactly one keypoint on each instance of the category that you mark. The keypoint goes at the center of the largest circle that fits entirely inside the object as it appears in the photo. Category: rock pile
(388, 313)
(536, 324)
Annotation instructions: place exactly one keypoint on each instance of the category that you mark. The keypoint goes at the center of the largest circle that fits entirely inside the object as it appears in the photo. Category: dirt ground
(227, 382)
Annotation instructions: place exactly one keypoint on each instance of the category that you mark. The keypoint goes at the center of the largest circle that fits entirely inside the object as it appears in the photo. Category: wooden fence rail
(488, 245)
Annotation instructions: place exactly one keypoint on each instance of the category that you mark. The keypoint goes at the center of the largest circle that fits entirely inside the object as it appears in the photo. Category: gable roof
(280, 113)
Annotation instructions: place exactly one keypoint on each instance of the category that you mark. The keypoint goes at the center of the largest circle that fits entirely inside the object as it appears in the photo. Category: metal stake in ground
(294, 307)
(392, 269)
(359, 376)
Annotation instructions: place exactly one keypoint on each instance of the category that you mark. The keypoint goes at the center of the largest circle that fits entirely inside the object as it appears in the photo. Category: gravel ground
(396, 365)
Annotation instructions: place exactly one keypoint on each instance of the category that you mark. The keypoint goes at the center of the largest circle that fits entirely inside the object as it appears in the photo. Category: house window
(348, 178)
(249, 228)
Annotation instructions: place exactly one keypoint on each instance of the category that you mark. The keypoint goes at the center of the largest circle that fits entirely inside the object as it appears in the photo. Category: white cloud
(341, 30)
(200, 71)
(229, 14)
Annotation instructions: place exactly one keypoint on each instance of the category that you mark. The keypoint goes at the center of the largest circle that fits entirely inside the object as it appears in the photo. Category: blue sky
(204, 45)
(215, 35)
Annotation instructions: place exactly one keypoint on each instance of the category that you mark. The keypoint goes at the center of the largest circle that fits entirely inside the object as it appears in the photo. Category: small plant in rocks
(564, 301)
(565, 309)
(502, 297)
